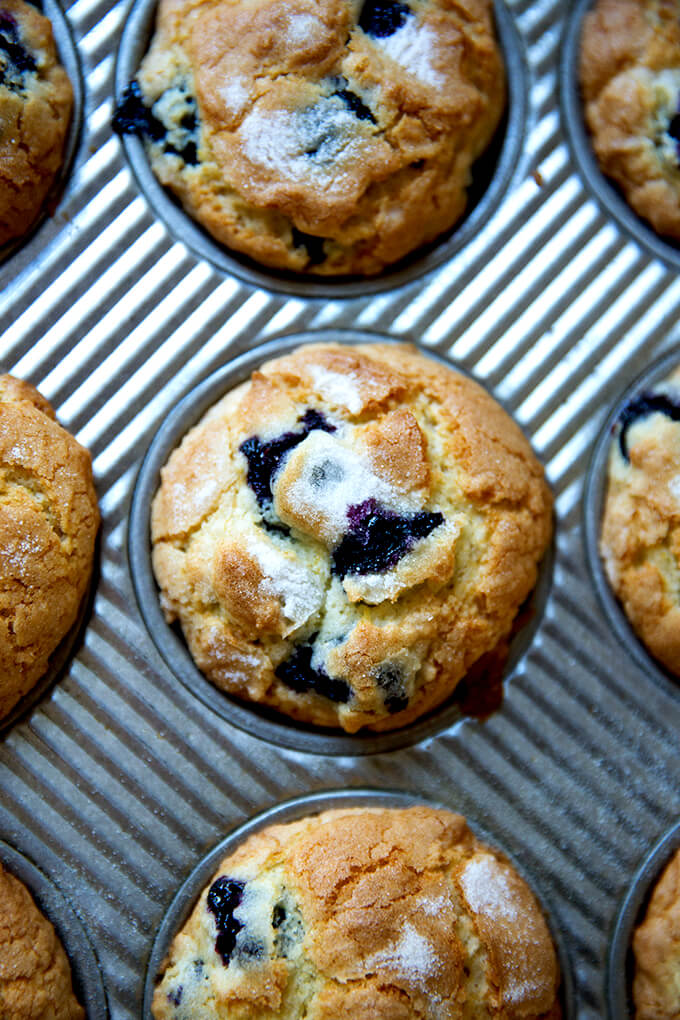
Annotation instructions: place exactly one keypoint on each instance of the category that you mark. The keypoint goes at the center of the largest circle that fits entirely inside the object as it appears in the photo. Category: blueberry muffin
(328, 136)
(630, 77)
(342, 536)
(48, 524)
(35, 977)
(656, 947)
(36, 99)
(640, 541)
(364, 914)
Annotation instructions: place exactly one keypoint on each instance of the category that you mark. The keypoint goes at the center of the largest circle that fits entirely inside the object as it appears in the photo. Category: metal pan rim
(618, 976)
(310, 804)
(86, 974)
(595, 489)
(605, 192)
(173, 650)
(135, 38)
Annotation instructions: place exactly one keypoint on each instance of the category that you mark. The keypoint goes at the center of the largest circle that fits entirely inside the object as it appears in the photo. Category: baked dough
(342, 536)
(656, 945)
(48, 524)
(364, 914)
(327, 136)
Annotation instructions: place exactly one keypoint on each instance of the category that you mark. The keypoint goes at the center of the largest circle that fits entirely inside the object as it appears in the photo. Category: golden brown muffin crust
(48, 523)
(35, 977)
(656, 945)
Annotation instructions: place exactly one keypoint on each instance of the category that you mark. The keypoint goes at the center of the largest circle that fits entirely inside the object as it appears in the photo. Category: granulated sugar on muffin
(344, 535)
(640, 542)
(35, 977)
(328, 136)
(656, 946)
(364, 914)
(36, 100)
(48, 524)
(630, 77)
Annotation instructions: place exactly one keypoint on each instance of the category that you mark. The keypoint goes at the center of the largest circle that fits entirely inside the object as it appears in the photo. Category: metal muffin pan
(267, 724)
(492, 175)
(596, 492)
(291, 811)
(605, 191)
(68, 56)
(85, 974)
(621, 963)
(119, 780)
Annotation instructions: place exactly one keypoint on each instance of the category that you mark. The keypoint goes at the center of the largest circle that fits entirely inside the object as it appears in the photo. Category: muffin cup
(255, 719)
(620, 960)
(492, 175)
(312, 804)
(87, 979)
(594, 500)
(68, 56)
(605, 191)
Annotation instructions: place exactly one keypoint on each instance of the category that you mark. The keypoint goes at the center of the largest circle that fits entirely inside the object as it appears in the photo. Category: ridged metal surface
(119, 781)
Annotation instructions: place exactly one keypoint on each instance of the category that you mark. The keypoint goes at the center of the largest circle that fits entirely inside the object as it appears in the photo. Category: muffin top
(48, 524)
(330, 136)
(368, 914)
(640, 542)
(35, 977)
(36, 99)
(630, 77)
(656, 945)
(342, 536)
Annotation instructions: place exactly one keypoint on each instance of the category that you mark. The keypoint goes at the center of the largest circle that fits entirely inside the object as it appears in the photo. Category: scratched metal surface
(119, 781)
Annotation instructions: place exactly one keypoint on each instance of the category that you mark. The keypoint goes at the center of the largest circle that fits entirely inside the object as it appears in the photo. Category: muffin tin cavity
(640, 400)
(604, 190)
(282, 929)
(86, 976)
(375, 533)
(175, 127)
(620, 960)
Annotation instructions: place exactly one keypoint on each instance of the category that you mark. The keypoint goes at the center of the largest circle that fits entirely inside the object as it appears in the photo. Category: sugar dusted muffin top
(35, 977)
(630, 77)
(363, 914)
(342, 536)
(640, 542)
(36, 100)
(326, 136)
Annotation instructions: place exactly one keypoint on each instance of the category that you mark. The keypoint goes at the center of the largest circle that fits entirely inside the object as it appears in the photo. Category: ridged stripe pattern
(119, 781)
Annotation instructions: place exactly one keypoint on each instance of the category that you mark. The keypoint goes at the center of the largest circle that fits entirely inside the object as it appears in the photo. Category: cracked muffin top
(640, 542)
(330, 137)
(656, 946)
(48, 524)
(35, 977)
(36, 100)
(630, 77)
(345, 534)
(363, 914)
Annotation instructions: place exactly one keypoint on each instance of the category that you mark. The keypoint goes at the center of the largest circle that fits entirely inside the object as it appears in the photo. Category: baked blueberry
(314, 246)
(642, 407)
(391, 680)
(175, 995)
(298, 673)
(265, 458)
(224, 897)
(353, 102)
(133, 117)
(288, 927)
(15, 60)
(382, 18)
(378, 538)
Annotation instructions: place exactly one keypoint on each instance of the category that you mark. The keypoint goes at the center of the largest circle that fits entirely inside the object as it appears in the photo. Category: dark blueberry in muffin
(224, 897)
(133, 117)
(175, 996)
(287, 925)
(381, 18)
(15, 60)
(298, 673)
(378, 538)
(356, 105)
(265, 458)
(314, 246)
(674, 131)
(642, 407)
(251, 949)
(390, 679)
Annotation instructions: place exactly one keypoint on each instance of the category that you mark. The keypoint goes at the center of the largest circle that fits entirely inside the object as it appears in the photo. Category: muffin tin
(120, 779)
